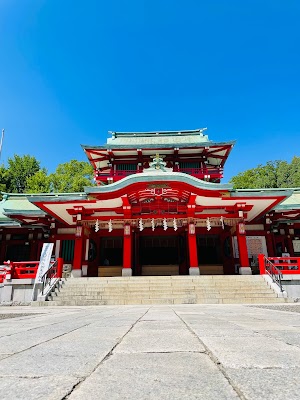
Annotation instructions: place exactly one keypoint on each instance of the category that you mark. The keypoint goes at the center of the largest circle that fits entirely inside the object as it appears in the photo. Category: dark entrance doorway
(159, 255)
(111, 251)
(209, 254)
(110, 256)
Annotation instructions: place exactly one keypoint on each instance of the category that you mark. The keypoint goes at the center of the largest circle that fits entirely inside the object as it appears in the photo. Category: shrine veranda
(159, 208)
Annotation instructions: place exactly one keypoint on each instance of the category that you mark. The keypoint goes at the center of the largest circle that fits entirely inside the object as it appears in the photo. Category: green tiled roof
(157, 145)
(57, 197)
(292, 202)
(16, 204)
(13, 204)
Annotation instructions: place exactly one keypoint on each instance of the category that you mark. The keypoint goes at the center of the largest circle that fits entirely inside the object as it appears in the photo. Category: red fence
(201, 173)
(22, 269)
(25, 270)
(286, 265)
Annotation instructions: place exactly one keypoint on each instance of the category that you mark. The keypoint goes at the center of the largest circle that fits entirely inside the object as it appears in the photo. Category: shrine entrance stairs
(214, 289)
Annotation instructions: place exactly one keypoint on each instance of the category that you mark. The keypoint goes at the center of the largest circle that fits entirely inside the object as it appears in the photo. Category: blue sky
(71, 70)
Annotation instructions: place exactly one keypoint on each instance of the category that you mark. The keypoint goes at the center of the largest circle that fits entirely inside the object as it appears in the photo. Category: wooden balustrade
(286, 265)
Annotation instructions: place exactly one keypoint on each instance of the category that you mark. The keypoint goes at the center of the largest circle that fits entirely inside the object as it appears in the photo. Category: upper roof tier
(188, 151)
(159, 137)
(184, 138)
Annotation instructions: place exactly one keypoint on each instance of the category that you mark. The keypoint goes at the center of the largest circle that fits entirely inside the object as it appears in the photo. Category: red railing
(2, 274)
(115, 175)
(201, 173)
(286, 265)
(24, 270)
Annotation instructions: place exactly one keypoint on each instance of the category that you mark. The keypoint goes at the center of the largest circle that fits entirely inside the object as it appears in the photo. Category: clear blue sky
(71, 70)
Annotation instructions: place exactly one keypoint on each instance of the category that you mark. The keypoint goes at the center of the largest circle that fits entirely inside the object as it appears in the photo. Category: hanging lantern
(222, 222)
(78, 232)
(141, 225)
(165, 224)
(127, 230)
(110, 227)
(242, 229)
(208, 225)
(175, 224)
(153, 224)
(192, 229)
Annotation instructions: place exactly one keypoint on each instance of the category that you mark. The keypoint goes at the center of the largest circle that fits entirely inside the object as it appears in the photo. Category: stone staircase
(212, 289)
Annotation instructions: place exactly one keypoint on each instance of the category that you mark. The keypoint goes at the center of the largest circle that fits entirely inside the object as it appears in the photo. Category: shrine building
(159, 208)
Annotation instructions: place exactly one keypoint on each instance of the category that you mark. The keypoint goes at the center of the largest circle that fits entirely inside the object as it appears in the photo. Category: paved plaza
(150, 352)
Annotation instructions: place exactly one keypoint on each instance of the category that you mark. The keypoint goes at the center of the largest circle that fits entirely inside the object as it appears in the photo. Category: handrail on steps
(267, 266)
(51, 278)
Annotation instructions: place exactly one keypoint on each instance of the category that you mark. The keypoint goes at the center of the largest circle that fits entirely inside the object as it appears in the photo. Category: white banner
(44, 261)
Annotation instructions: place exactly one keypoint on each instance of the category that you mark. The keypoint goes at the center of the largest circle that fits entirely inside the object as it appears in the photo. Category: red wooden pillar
(243, 250)
(78, 252)
(261, 263)
(270, 244)
(60, 266)
(192, 243)
(127, 251)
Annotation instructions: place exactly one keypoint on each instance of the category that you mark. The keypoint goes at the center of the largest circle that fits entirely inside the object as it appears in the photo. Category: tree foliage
(71, 177)
(38, 183)
(24, 175)
(4, 179)
(274, 174)
(20, 168)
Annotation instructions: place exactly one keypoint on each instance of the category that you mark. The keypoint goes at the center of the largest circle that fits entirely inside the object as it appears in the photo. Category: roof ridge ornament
(158, 162)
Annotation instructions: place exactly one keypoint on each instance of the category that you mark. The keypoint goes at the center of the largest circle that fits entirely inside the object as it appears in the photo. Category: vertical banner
(44, 261)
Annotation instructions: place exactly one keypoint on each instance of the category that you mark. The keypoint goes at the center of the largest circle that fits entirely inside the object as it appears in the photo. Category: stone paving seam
(32, 329)
(105, 358)
(215, 360)
(48, 340)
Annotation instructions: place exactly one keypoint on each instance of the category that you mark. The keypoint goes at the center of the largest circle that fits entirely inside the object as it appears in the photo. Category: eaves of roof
(57, 197)
(157, 145)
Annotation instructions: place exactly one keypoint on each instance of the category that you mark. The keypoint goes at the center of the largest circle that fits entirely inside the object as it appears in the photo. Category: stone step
(205, 278)
(168, 278)
(163, 295)
(171, 284)
(177, 285)
(166, 290)
(258, 300)
(171, 290)
(166, 294)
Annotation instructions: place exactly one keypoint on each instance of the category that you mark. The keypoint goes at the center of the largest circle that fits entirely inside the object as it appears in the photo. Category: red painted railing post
(9, 269)
(261, 263)
(60, 264)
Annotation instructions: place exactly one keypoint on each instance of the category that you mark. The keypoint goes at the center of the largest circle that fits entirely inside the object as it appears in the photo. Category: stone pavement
(150, 352)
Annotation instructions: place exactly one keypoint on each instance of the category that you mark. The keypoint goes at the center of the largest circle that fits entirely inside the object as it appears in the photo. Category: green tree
(20, 168)
(38, 183)
(284, 178)
(4, 179)
(295, 172)
(71, 177)
(274, 174)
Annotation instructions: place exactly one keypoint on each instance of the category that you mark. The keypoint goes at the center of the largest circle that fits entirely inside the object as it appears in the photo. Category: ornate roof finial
(158, 162)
